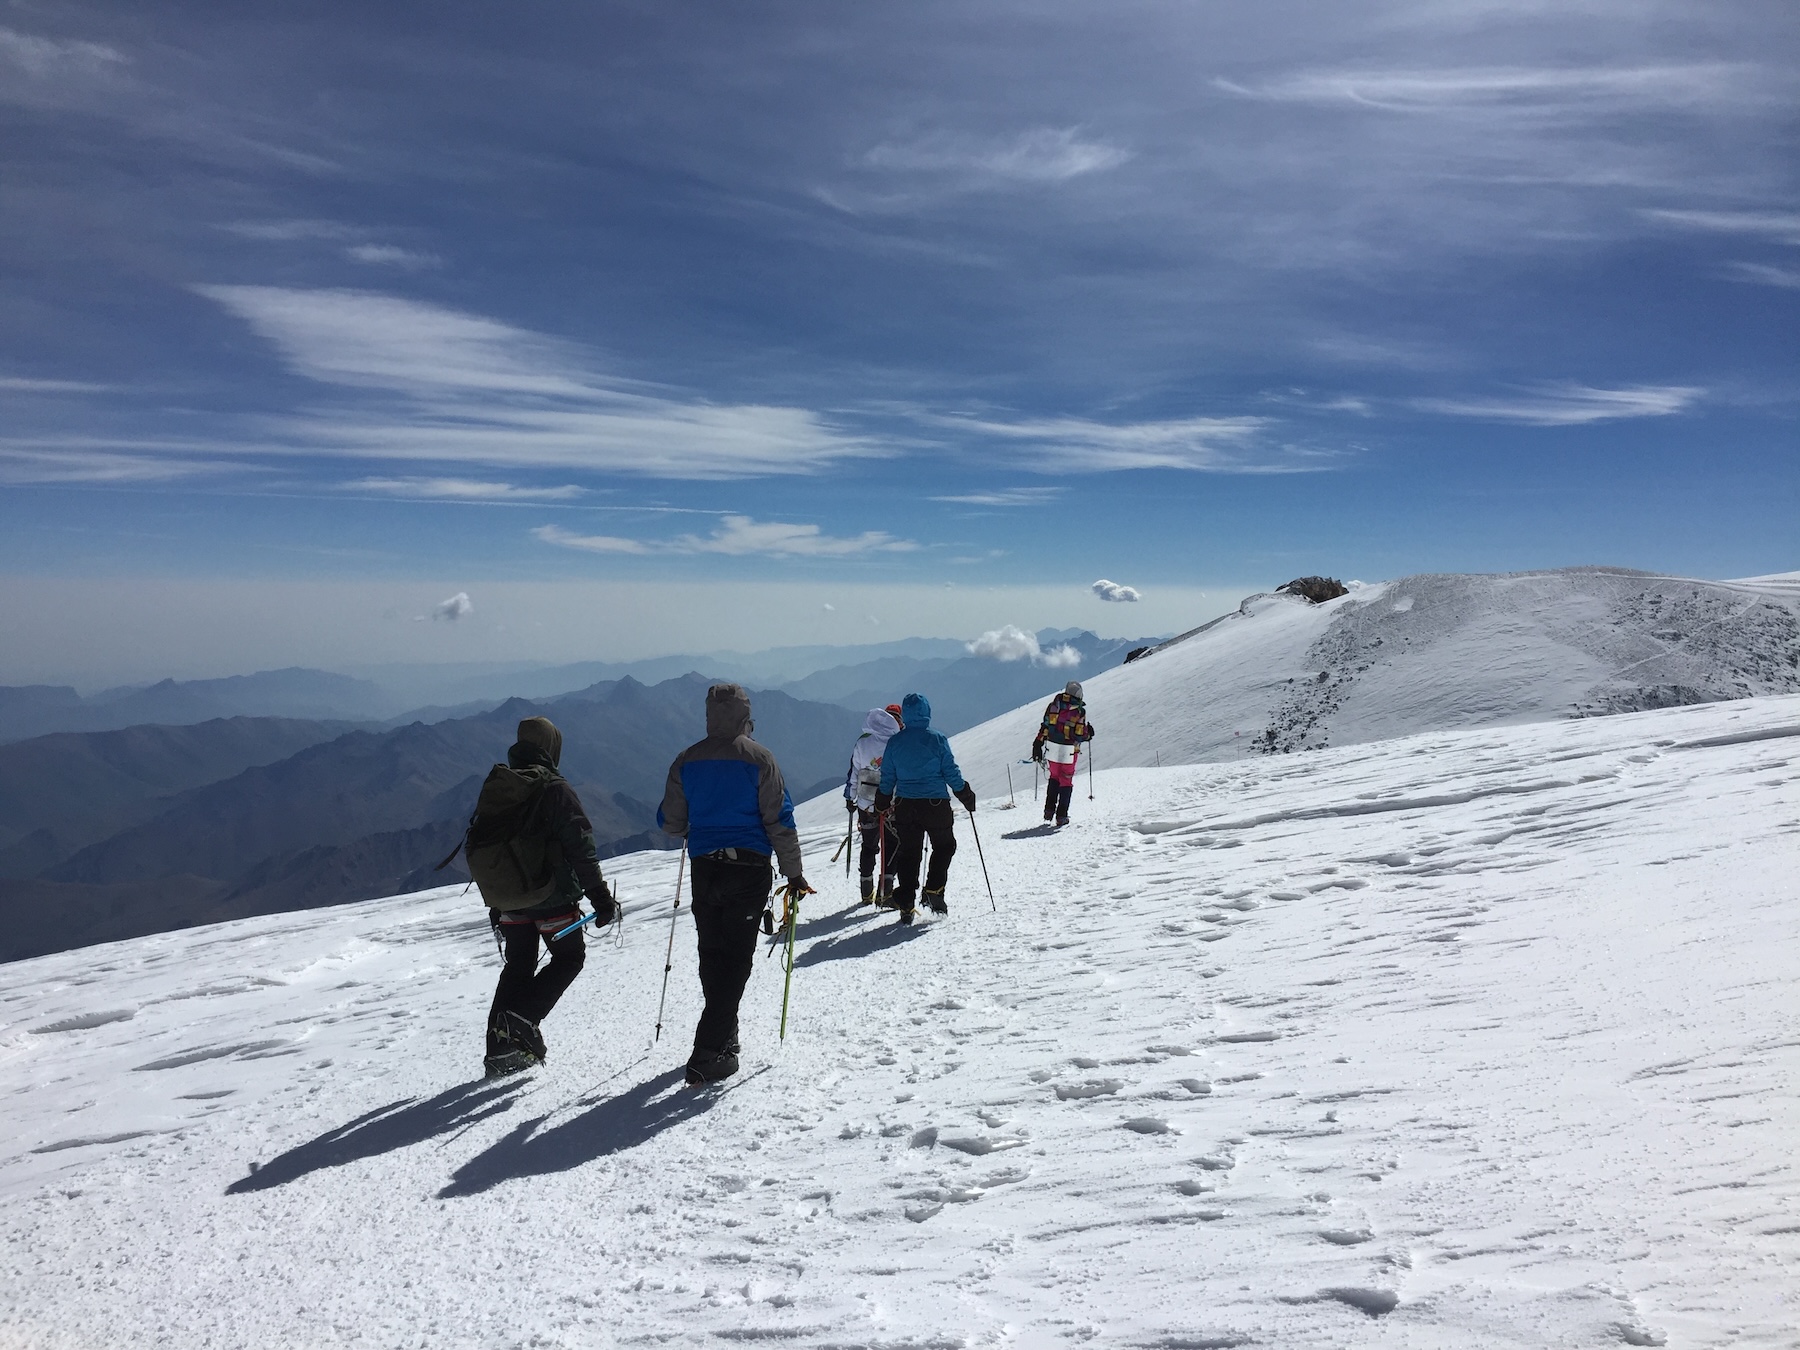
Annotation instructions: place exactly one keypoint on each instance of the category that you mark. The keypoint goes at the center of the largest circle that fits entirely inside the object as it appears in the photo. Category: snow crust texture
(1434, 651)
(1484, 1038)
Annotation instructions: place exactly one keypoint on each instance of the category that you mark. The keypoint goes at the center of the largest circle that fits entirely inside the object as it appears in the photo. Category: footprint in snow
(1149, 1125)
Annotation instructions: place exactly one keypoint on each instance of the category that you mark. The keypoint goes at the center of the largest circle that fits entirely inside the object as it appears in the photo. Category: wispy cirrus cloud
(1515, 89)
(463, 490)
(40, 71)
(391, 255)
(1040, 155)
(737, 536)
(1017, 496)
(1570, 405)
(464, 388)
(25, 465)
(1763, 274)
(1083, 445)
(1781, 227)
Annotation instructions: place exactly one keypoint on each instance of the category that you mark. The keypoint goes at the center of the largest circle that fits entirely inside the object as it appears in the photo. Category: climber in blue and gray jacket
(725, 797)
(918, 776)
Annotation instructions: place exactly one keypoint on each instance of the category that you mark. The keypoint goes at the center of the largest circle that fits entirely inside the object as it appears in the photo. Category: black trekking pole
(669, 955)
(1090, 772)
(976, 831)
(849, 831)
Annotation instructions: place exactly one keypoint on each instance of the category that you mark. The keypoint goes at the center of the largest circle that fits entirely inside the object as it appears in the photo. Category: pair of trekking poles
(791, 920)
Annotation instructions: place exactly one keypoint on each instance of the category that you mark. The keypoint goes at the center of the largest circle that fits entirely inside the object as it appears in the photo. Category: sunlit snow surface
(1487, 1038)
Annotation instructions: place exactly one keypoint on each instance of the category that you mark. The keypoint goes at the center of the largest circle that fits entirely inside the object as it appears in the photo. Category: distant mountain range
(359, 814)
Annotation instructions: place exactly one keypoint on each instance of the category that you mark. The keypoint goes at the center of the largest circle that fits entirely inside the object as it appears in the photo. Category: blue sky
(984, 298)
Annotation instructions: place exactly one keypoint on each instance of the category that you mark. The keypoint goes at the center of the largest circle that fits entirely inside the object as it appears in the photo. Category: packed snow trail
(1480, 1039)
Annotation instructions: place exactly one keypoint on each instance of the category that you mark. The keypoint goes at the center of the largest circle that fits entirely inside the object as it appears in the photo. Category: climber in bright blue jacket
(918, 776)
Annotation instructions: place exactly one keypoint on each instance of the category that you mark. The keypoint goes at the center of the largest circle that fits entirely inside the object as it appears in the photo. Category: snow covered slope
(1423, 653)
(1486, 1038)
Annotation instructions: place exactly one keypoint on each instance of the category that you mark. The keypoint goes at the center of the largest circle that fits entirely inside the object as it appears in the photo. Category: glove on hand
(798, 886)
(606, 909)
(882, 802)
(966, 795)
(1037, 752)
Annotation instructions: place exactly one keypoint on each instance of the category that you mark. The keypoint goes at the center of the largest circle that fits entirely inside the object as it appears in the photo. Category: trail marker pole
(1010, 803)
(669, 955)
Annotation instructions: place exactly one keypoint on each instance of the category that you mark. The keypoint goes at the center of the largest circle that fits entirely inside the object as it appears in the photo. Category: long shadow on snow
(864, 942)
(616, 1124)
(1035, 832)
(386, 1128)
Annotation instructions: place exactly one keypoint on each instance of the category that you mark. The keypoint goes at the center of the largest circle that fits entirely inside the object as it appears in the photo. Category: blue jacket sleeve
(888, 773)
(947, 763)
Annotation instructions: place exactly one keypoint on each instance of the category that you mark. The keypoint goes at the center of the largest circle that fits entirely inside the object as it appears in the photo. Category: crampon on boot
(514, 1045)
(934, 901)
(711, 1066)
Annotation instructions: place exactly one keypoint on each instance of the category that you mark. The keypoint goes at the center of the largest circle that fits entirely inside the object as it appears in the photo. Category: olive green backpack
(513, 864)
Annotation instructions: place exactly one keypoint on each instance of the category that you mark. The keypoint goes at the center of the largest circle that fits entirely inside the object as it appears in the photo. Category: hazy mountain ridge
(63, 791)
(316, 695)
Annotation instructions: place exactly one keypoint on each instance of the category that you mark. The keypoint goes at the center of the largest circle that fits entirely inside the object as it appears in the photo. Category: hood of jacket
(915, 711)
(880, 724)
(539, 743)
(727, 712)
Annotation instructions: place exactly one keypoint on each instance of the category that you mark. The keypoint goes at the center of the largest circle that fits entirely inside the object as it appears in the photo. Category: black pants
(729, 898)
(525, 989)
(1056, 800)
(914, 819)
(868, 823)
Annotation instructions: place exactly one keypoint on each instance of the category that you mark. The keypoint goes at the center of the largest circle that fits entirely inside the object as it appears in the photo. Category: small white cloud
(829, 608)
(1012, 643)
(588, 543)
(458, 606)
(1115, 593)
(462, 489)
(1571, 405)
(388, 255)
